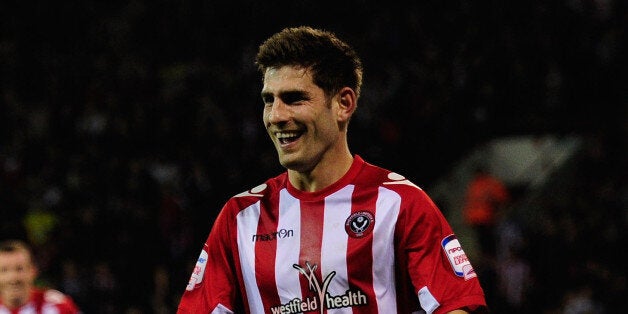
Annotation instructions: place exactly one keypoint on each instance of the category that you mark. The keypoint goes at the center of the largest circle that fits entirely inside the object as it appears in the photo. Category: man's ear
(33, 271)
(347, 103)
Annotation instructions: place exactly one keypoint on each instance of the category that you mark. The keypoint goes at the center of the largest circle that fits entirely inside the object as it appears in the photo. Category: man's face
(300, 119)
(17, 274)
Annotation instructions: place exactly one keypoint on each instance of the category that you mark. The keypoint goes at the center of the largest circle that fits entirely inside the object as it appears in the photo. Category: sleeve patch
(457, 257)
(199, 270)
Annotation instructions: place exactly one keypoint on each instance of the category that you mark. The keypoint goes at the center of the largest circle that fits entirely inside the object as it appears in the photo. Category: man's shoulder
(56, 298)
(378, 175)
(265, 189)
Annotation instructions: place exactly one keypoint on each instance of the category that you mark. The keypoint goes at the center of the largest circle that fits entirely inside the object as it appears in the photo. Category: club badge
(359, 224)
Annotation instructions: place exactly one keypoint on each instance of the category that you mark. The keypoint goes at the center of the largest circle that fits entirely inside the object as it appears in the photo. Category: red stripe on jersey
(265, 255)
(360, 249)
(311, 239)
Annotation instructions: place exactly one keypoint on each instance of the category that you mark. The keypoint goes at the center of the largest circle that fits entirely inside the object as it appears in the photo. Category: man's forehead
(14, 255)
(294, 68)
(287, 78)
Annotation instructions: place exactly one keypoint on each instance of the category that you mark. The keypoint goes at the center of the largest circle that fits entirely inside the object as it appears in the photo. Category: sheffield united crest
(359, 224)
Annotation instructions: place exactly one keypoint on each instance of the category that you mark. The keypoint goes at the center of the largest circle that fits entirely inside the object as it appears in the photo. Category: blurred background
(125, 125)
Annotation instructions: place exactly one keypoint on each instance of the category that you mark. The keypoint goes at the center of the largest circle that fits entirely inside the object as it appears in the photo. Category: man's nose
(279, 112)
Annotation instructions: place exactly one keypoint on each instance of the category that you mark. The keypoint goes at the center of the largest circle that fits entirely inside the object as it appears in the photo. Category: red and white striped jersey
(44, 301)
(373, 242)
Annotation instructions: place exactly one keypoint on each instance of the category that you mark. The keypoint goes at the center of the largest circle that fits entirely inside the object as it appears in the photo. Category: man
(18, 294)
(332, 234)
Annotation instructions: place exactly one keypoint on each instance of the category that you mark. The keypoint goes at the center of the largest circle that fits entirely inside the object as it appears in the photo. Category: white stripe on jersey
(288, 249)
(335, 241)
(247, 221)
(28, 309)
(386, 213)
(49, 309)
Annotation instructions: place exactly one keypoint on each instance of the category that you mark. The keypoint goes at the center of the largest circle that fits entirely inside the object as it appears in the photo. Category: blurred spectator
(486, 197)
(515, 280)
(73, 281)
(18, 291)
(40, 223)
(579, 300)
(161, 300)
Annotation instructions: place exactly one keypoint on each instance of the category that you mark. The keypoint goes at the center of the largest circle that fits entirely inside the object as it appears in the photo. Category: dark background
(125, 125)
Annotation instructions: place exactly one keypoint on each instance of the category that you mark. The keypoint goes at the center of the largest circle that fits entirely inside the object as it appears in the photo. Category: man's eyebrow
(293, 94)
(266, 94)
(287, 94)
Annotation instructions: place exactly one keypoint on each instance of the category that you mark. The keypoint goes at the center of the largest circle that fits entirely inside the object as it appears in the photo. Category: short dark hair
(9, 246)
(333, 62)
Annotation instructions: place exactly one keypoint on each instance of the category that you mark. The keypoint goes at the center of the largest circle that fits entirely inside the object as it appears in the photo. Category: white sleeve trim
(221, 309)
(427, 300)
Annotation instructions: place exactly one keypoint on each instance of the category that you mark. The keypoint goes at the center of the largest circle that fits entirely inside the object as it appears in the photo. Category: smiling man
(18, 294)
(332, 234)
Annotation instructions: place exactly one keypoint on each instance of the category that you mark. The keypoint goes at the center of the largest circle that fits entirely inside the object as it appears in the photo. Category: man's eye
(267, 99)
(292, 98)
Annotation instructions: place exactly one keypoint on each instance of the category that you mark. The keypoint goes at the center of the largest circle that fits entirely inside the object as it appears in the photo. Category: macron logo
(279, 234)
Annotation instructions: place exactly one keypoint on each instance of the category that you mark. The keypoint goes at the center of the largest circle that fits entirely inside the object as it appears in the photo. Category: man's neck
(326, 173)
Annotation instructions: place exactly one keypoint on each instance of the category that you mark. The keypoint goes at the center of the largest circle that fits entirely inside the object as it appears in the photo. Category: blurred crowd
(124, 126)
(559, 248)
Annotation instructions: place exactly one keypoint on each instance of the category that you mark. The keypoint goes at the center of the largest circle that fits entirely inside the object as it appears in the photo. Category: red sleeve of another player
(440, 271)
(213, 283)
(68, 307)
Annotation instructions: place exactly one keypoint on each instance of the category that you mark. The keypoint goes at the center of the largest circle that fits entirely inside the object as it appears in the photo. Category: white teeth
(282, 135)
